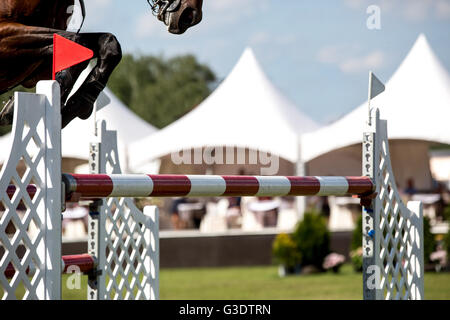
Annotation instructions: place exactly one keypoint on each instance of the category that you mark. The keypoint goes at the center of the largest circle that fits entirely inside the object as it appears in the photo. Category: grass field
(263, 283)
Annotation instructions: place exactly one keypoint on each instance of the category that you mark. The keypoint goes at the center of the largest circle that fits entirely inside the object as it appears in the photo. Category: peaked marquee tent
(245, 111)
(416, 104)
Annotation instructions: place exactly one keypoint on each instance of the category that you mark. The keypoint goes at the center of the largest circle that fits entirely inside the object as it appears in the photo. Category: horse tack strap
(173, 6)
(83, 15)
(165, 5)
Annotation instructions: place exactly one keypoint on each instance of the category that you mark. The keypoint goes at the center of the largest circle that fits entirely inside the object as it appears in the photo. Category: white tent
(245, 111)
(416, 104)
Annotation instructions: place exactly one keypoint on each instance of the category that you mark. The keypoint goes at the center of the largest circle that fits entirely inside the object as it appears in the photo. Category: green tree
(161, 90)
(429, 241)
(3, 99)
(285, 251)
(312, 238)
(357, 234)
(4, 130)
(356, 246)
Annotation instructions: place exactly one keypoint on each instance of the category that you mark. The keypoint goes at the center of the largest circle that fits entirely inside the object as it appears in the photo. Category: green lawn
(255, 283)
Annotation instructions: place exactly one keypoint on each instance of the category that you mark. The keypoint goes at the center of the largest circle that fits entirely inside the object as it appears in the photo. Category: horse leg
(34, 46)
(16, 46)
(109, 54)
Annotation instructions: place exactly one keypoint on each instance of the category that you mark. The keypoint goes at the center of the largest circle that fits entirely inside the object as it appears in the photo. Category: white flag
(102, 101)
(375, 86)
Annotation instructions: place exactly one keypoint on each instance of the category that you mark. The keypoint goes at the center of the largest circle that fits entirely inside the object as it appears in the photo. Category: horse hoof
(7, 113)
(68, 113)
(85, 114)
(75, 108)
(65, 121)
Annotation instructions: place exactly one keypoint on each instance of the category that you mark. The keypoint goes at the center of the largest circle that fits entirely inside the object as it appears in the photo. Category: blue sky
(318, 53)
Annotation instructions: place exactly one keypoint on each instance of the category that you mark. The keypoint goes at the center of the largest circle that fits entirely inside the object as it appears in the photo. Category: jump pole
(93, 186)
(85, 263)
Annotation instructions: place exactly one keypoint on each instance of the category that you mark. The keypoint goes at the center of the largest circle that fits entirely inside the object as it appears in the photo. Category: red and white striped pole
(94, 186)
(84, 263)
(31, 190)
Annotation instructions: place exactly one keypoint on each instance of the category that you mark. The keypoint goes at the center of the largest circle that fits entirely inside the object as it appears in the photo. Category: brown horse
(26, 49)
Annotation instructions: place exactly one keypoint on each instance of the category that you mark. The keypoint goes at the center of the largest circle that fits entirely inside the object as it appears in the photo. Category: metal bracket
(368, 213)
(94, 225)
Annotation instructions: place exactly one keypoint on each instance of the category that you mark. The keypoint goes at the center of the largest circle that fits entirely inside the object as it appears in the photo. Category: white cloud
(330, 54)
(223, 12)
(260, 38)
(348, 59)
(235, 5)
(218, 5)
(264, 38)
(417, 10)
(371, 61)
(98, 4)
(443, 9)
(336, 53)
(148, 26)
(355, 4)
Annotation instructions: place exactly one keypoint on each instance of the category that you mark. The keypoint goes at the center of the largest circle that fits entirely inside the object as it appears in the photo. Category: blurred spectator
(440, 205)
(325, 207)
(266, 211)
(234, 213)
(175, 213)
(439, 258)
(333, 261)
(410, 188)
(75, 221)
(198, 211)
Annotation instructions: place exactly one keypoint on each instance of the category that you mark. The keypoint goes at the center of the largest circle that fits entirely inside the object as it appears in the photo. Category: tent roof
(246, 110)
(416, 104)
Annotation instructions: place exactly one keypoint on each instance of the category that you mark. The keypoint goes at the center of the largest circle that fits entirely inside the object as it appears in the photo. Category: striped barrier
(31, 190)
(89, 186)
(84, 263)
(123, 241)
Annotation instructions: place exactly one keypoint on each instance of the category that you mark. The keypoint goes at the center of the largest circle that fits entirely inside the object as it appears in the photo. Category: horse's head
(178, 15)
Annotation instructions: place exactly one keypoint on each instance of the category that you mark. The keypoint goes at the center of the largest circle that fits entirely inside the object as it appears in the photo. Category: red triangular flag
(67, 53)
